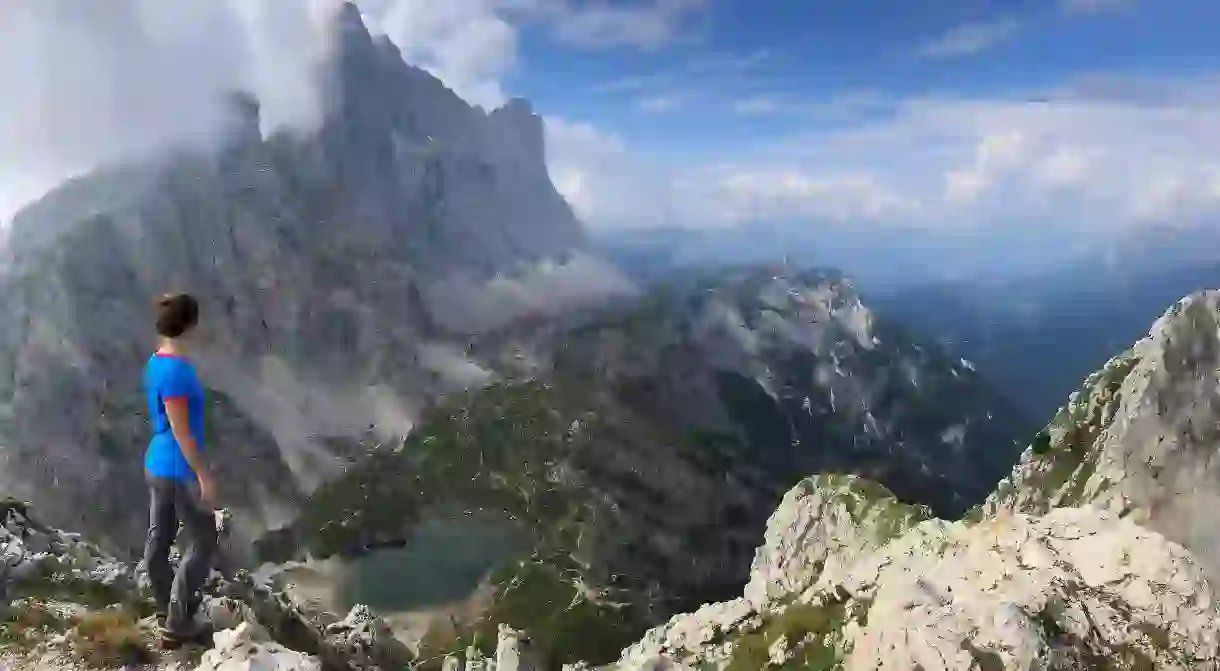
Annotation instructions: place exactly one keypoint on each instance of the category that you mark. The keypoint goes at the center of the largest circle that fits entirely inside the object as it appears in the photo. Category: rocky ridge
(71, 606)
(1065, 567)
(1139, 438)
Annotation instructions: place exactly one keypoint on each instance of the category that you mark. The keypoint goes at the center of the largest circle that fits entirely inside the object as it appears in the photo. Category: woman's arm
(178, 415)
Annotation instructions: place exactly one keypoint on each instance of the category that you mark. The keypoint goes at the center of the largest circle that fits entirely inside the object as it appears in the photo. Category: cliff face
(322, 261)
(1140, 436)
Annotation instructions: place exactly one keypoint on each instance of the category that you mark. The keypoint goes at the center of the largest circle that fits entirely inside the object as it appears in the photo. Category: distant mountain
(636, 451)
(1034, 320)
(874, 258)
(1036, 336)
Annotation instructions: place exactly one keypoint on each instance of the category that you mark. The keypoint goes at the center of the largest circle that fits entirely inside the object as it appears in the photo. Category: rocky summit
(1047, 574)
(1138, 439)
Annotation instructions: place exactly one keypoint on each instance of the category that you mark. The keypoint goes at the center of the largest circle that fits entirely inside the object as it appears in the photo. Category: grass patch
(1042, 443)
(109, 639)
(810, 631)
(973, 516)
(563, 625)
(27, 620)
(55, 580)
(984, 660)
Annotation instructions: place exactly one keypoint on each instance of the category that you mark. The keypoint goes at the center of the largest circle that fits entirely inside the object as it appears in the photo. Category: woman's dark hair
(176, 314)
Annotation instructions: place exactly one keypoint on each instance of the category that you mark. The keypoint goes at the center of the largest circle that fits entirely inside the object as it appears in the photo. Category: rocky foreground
(1072, 564)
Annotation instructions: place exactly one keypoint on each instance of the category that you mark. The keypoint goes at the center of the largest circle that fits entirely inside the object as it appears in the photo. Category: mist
(88, 83)
(463, 304)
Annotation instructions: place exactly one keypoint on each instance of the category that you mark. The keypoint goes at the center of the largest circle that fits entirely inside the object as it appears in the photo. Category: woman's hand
(207, 489)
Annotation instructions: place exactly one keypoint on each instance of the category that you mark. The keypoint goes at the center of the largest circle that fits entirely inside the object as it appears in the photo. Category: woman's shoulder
(170, 365)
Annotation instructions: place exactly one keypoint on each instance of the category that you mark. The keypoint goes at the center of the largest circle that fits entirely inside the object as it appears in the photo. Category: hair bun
(177, 313)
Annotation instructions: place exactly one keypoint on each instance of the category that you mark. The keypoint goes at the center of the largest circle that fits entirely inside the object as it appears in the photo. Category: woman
(179, 481)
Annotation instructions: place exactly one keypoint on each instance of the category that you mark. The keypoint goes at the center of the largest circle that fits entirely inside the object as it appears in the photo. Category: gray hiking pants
(178, 594)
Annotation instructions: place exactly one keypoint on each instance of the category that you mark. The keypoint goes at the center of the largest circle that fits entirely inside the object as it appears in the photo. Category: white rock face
(248, 648)
(1140, 438)
(1073, 589)
(822, 526)
(28, 550)
(512, 654)
(1069, 590)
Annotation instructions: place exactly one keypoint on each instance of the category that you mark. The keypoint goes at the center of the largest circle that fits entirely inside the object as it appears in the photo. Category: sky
(1065, 117)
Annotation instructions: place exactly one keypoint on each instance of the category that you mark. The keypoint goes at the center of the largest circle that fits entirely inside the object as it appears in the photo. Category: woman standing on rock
(180, 483)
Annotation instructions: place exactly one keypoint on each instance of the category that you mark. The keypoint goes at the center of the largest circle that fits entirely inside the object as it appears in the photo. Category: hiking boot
(198, 633)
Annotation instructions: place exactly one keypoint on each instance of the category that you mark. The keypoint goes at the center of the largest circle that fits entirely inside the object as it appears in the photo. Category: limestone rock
(1022, 592)
(365, 641)
(1072, 589)
(248, 648)
(32, 553)
(821, 527)
(1140, 437)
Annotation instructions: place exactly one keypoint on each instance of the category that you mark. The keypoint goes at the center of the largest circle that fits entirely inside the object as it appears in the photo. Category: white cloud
(469, 44)
(466, 305)
(969, 39)
(768, 195)
(995, 155)
(851, 106)
(1064, 168)
(1095, 6)
(1078, 161)
(757, 106)
(86, 85)
(715, 68)
(604, 182)
(666, 102)
(647, 25)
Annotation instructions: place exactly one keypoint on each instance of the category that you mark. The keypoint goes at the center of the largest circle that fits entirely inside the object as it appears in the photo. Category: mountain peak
(349, 19)
(354, 58)
(1139, 436)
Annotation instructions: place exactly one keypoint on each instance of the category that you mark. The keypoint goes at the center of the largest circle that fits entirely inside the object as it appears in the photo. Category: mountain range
(1037, 323)
(1091, 554)
(435, 408)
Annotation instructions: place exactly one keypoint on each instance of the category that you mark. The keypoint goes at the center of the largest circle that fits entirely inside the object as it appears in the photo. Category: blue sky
(1049, 117)
(942, 111)
(780, 60)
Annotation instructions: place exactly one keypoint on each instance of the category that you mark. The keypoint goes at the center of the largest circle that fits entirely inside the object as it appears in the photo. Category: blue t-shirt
(169, 376)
